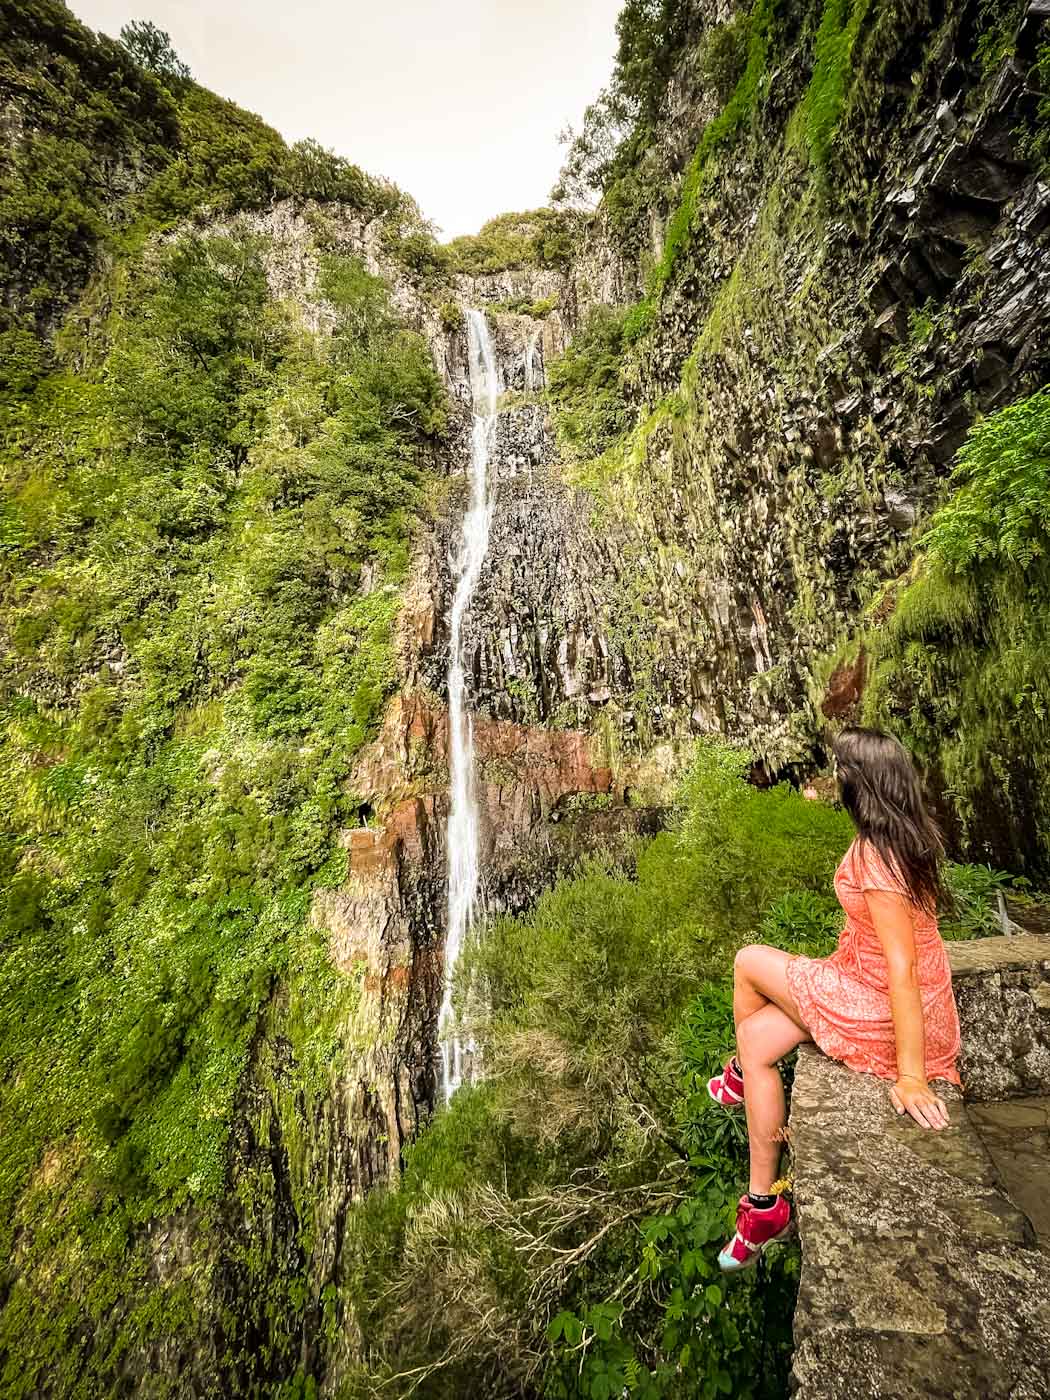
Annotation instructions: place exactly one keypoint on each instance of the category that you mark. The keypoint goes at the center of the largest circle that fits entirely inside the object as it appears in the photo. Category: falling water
(533, 379)
(463, 811)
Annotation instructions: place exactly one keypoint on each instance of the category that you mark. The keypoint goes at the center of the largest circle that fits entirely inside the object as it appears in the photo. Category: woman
(882, 1003)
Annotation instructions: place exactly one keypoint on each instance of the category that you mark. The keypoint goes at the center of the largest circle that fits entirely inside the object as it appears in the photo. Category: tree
(585, 174)
(152, 48)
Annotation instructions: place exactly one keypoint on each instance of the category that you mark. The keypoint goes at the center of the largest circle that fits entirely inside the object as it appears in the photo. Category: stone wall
(921, 1276)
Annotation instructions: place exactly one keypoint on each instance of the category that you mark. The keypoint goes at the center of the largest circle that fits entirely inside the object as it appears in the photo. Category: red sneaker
(727, 1088)
(754, 1230)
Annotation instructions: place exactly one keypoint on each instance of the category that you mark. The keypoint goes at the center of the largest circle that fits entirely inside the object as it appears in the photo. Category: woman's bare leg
(763, 1039)
(760, 977)
(768, 1026)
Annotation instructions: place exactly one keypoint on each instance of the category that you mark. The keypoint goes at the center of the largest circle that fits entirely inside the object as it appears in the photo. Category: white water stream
(463, 811)
(533, 380)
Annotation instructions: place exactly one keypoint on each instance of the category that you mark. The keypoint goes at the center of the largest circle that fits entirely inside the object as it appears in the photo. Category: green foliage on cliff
(737, 110)
(724, 55)
(103, 151)
(539, 238)
(960, 664)
(585, 387)
(152, 48)
(840, 25)
(205, 526)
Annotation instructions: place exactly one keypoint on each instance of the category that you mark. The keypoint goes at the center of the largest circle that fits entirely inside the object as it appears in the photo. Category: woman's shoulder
(873, 870)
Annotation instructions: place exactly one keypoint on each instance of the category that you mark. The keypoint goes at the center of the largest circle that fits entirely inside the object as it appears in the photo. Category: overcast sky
(458, 101)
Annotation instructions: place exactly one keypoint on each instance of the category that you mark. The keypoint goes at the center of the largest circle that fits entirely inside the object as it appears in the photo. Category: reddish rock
(845, 688)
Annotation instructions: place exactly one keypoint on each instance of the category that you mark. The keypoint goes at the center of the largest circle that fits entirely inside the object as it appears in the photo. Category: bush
(541, 238)
(959, 665)
(585, 387)
(723, 57)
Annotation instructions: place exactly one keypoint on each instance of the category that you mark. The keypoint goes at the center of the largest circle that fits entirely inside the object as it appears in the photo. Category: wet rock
(845, 689)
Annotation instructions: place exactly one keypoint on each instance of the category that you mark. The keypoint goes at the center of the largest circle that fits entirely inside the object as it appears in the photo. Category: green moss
(719, 130)
(840, 25)
(586, 390)
(208, 524)
(959, 665)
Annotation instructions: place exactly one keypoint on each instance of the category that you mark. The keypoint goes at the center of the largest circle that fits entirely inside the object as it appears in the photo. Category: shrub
(152, 48)
(541, 238)
(959, 665)
(717, 132)
(723, 57)
(586, 389)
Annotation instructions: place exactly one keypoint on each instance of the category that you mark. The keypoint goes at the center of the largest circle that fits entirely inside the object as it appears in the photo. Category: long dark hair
(882, 793)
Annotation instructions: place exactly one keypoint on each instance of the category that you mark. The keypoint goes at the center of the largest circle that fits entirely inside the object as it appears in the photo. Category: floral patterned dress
(844, 999)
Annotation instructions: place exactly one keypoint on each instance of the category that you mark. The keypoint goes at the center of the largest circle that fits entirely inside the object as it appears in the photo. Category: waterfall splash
(463, 811)
(533, 379)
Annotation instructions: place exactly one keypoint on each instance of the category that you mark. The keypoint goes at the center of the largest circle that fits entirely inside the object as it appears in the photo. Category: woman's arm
(892, 918)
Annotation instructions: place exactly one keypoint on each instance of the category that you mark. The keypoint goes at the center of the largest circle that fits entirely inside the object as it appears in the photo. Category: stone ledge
(920, 1276)
(1002, 986)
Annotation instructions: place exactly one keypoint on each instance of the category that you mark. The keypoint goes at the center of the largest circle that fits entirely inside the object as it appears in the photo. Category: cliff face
(842, 284)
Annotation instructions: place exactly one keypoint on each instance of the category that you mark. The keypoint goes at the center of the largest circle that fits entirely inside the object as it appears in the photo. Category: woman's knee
(749, 960)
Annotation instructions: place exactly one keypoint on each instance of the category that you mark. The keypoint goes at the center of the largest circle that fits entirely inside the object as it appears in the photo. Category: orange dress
(844, 999)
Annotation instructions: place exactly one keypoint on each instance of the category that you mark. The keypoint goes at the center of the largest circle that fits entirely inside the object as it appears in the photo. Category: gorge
(411, 654)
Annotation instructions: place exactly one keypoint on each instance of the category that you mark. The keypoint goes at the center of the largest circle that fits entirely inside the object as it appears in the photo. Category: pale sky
(459, 101)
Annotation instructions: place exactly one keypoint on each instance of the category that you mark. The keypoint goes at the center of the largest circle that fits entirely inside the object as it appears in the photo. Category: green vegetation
(585, 387)
(452, 318)
(538, 310)
(737, 110)
(998, 20)
(724, 55)
(557, 1226)
(540, 238)
(191, 661)
(604, 156)
(959, 666)
(151, 48)
(1036, 142)
(832, 71)
(109, 151)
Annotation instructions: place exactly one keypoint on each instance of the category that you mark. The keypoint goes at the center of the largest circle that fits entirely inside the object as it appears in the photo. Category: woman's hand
(913, 1095)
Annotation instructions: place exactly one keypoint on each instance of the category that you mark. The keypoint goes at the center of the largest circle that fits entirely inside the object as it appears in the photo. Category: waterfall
(533, 380)
(466, 567)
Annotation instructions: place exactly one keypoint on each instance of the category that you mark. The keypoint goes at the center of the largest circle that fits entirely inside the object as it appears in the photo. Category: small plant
(974, 909)
(451, 316)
